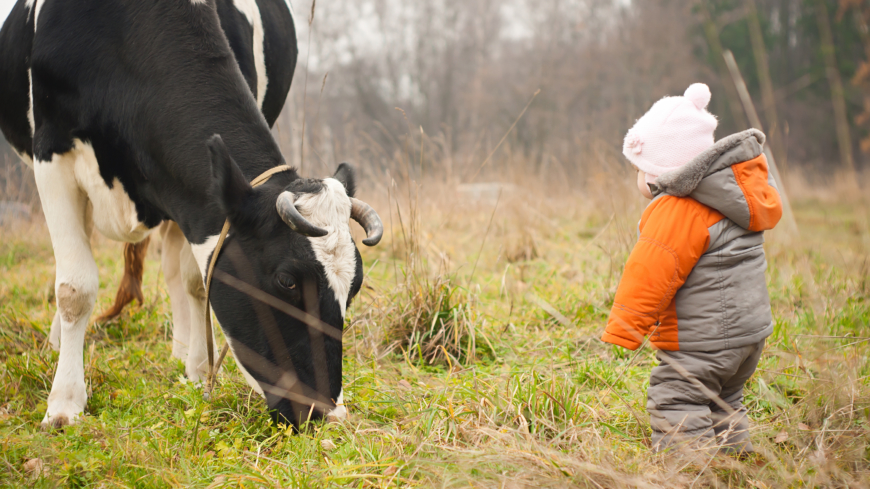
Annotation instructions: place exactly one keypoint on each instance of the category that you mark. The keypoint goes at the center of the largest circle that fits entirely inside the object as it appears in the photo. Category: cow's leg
(67, 213)
(197, 353)
(173, 245)
(54, 333)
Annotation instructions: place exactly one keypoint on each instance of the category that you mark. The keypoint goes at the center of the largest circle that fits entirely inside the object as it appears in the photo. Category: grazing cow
(134, 112)
(262, 37)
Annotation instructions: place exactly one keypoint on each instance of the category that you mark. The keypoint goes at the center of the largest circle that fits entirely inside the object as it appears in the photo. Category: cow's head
(286, 274)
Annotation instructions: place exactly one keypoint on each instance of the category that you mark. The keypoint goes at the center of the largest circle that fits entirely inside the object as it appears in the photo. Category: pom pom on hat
(671, 133)
(699, 94)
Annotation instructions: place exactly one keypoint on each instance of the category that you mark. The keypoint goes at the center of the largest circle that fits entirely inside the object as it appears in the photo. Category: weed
(434, 321)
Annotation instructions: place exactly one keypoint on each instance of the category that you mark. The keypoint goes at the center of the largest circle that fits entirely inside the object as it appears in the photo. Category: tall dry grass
(542, 235)
(472, 356)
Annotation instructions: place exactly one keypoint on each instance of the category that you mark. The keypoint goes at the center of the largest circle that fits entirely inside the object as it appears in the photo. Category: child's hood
(733, 177)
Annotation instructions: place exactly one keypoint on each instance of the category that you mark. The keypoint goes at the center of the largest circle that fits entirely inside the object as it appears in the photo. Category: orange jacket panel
(673, 236)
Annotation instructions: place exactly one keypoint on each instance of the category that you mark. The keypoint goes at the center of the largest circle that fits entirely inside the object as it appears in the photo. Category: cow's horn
(368, 219)
(287, 210)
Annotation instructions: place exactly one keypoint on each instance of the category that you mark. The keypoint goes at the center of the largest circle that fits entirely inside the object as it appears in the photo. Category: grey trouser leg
(732, 431)
(681, 412)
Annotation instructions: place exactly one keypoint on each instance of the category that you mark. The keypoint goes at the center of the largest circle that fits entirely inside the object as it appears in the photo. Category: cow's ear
(229, 184)
(345, 175)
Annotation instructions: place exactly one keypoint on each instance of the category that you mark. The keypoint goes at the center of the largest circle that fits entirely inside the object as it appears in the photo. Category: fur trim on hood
(683, 181)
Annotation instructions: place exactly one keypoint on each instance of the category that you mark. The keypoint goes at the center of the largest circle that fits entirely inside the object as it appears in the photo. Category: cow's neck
(195, 208)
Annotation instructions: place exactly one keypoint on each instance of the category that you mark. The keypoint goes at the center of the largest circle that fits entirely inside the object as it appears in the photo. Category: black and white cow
(117, 105)
(263, 40)
(262, 37)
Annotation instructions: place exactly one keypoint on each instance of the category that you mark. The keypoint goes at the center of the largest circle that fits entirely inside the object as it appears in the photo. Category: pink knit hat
(671, 133)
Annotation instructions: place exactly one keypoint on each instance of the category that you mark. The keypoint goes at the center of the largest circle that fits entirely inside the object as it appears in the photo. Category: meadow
(472, 359)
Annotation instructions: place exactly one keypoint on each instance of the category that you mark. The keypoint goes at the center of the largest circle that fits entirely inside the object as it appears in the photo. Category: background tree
(463, 70)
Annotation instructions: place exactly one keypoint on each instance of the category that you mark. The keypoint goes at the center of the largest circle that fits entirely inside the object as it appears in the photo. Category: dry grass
(472, 360)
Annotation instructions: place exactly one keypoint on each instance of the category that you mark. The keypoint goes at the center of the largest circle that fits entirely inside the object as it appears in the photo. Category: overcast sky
(5, 7)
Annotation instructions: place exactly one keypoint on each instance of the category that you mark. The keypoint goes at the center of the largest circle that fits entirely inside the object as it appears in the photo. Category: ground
(522, 394)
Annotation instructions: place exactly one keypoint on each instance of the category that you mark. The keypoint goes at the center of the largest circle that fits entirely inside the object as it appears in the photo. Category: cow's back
(16, 44)
(281, 51)
(275, 44)
(145, 84)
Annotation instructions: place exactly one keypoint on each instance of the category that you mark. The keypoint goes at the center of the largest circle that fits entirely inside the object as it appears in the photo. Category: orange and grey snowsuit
(695, 284)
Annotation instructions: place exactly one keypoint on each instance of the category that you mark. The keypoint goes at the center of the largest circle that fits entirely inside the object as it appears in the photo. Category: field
(516, 392)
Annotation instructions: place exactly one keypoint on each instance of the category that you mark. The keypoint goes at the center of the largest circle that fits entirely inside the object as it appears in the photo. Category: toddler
(694, 282)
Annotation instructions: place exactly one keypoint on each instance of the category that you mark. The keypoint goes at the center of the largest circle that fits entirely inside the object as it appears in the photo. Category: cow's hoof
(196, 377)
(65, 404)
(199, 373)
(57, 422)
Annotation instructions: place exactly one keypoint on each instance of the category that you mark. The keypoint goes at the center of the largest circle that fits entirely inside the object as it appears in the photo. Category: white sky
(515, 29)
(5, 7)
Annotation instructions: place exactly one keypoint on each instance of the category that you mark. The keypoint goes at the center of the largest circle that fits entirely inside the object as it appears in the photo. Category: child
(694, 282)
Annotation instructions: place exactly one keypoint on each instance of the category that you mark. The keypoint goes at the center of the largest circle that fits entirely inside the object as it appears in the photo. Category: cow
(263, 40)
(135, 112)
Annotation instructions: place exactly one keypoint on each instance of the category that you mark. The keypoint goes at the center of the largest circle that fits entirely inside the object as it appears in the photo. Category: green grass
(543, 404)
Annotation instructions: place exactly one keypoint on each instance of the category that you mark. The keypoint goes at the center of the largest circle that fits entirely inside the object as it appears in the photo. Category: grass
(523, 395)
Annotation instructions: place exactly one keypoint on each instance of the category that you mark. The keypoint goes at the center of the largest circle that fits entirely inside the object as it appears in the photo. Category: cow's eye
(287, 282)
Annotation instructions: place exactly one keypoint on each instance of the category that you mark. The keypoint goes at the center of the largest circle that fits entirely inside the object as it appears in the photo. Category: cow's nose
(339, 413)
